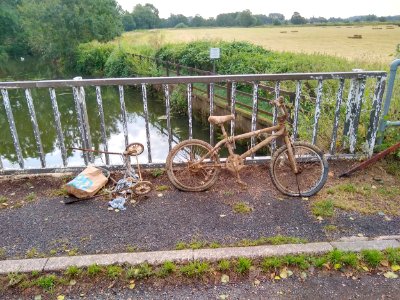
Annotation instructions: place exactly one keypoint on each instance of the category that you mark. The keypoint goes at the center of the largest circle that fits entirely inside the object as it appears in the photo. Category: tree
(197, 21)
(174, 20)
(245, 19)
(226, 20)
(128, 22)
(146, 16)
(297, 19)
(56, 27)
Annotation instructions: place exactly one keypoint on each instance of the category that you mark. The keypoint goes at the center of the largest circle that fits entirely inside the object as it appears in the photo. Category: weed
(31, 253)
(114, 271)
(347, 187)
(271, 263)
(93, 270)
(300, 261)
(282, 239)
(243, 265)
(53, 252)
(35, 273)
(224, 265)
(320, 261)
(3, 199)
(161, 188)
(372, 257)
(15, 278)
(30, 197)
(139, 272)
(195, 269)
(73, 271)
(242, 208)
(181, 246)
(229, 193)
(72, 252)
(59, 193)
(335, 256)
(349, 259)
(330, 228)
(197, 244)
(157, 172)
(167, 268)
(393, 255)
(130, 248)
(2, 254)
(323, 208)
(215, 245)
(46, 282)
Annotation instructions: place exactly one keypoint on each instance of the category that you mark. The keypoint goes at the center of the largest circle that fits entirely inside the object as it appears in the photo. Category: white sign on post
(214, 53)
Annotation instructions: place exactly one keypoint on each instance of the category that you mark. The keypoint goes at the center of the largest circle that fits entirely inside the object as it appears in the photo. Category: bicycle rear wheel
(312, 165)
(186, 172)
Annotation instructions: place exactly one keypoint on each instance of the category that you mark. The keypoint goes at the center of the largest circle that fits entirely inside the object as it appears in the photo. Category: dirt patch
(373, 190)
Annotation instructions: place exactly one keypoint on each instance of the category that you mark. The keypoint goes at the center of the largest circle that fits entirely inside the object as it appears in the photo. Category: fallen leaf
(385, 263)
(72, 282)
(289, 273)
(133, 201)
(160, 195)
(60, 297)
(280, 293)
(132, 286)
(327, 266)
(38, 297)
(391, 275)
(223, 297)
(277, 277)
(117, 210)
(331, 174)
(337, 266)
(395, 268)
(283, 274)
(319, 218)
(360, 235)
(351, 218)
(374, 187)
(303, 275)
(387, 218)
(305, 198)
(222, 216)
(224, 278)
(365, 268)
(256, 282)
(110, 208)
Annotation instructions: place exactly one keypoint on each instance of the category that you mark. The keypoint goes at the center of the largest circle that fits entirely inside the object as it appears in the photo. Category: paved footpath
(158, 257)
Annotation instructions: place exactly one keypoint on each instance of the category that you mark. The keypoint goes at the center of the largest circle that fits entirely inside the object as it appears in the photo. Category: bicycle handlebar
(279, 103)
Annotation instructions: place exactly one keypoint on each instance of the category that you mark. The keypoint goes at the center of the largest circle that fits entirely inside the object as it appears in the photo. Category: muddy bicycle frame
(277, 131)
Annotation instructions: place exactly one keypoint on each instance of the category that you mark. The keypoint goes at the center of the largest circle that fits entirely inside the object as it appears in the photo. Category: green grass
(273, 240)
(393, 255)
(139, 272)
(73, 271)
(243, 265)
(330, 228)
(195, 269)
(161, 188)
(157, 172)
(372, 257)
(272, 263)
(224, 265)
(30, 197)
(3, 199)
(94, 270)
(47, 282)
(242, 208)
(31, 253)
(114, 271)
(323, 208)
(167, 268)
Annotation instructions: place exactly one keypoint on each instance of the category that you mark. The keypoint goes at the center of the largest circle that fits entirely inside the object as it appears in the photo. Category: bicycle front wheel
(189, 168)
(312, 170)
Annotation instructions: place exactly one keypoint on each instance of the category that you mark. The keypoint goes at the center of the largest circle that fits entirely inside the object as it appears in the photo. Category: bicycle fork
(291, 155)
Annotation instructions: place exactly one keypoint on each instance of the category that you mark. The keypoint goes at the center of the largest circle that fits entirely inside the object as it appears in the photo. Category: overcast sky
(307, 8)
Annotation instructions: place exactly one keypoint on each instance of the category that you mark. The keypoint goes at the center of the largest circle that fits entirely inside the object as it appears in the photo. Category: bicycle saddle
(220, 119)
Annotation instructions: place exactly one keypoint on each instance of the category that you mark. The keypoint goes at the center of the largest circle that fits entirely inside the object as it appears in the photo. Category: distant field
(377, 46)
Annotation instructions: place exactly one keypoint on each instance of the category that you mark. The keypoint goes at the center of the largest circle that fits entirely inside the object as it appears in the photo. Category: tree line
(53, 29)
(147, 17)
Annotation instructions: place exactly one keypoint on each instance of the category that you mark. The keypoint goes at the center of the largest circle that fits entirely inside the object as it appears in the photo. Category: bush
(181, 25)
(92, 57)
(178, 100)
(119, 64)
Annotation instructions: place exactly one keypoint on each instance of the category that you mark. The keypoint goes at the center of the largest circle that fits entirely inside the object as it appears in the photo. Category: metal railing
(354, 106)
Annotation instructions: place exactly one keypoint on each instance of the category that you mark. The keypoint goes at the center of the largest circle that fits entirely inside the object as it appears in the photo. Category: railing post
(167, 68)
(389, 92)
(229, 92)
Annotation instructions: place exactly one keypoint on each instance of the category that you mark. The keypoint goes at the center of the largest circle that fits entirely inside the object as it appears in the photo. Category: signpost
(215, 53)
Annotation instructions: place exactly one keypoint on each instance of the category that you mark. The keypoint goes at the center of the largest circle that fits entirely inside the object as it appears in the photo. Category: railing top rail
(188, 79)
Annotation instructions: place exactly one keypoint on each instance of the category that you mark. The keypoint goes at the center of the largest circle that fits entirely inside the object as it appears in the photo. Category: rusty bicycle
(296, 168)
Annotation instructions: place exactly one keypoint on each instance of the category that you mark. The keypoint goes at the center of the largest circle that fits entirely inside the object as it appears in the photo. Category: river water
(30, 70)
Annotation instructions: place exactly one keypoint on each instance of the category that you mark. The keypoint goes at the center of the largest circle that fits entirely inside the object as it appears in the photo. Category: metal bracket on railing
(389, 93)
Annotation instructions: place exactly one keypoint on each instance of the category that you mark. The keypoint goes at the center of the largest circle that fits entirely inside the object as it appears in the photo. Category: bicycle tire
(182, 171)
(313, 170)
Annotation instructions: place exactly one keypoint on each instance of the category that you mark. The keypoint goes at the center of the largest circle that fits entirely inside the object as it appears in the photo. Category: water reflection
(113, 122)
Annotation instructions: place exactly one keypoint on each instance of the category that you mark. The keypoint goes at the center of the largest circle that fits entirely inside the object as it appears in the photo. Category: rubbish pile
(93, 179)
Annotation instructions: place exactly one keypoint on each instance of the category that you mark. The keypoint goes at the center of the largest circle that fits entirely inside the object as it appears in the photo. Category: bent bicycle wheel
(185, 169)
(312, 170)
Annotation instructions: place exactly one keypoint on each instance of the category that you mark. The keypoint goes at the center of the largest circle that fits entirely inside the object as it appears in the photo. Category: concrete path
(157, 257)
